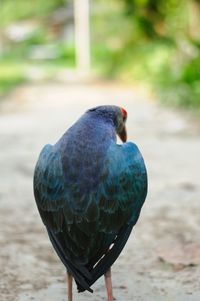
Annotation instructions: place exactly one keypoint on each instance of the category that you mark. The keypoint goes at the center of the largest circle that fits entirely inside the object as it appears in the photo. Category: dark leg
(108, 282)
(69, 286)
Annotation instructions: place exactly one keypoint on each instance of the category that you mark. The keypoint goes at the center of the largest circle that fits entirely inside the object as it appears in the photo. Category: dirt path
(161, 259)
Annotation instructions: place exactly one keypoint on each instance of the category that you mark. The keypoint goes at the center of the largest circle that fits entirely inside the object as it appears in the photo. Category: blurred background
(154, 42)
(57, 59)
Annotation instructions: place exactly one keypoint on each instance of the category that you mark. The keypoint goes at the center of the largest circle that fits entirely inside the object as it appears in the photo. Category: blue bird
(89, 192)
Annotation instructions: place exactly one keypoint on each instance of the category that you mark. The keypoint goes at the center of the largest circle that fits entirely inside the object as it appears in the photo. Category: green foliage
(158, 42)
(180, 86)
(15, 57)
(13, 10)
(156, 18)
(173, 63)
(11, 74)
(154, 41)
(66, 54)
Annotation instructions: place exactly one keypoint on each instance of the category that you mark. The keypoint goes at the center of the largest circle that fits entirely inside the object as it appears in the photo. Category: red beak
(123, 134)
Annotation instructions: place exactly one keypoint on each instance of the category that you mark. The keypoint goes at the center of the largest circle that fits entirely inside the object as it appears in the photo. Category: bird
(89, 190)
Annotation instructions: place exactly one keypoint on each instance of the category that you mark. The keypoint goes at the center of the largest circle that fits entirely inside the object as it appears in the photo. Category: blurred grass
(15, 61)
(16, 67)
(180, 85)
(22, 9)
(11, 74)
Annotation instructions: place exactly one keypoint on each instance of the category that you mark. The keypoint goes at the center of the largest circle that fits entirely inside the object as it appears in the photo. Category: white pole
(82, 35)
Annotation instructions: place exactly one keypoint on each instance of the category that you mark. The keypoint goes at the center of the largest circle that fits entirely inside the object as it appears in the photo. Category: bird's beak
(123, 134)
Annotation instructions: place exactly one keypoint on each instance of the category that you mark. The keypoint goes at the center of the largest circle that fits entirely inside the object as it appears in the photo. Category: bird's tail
(109, 258)
(81, 275)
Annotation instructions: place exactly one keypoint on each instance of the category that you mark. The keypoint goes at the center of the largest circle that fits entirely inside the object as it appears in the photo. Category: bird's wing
(52, 201)
(49, 190)
(111, 210)
(124, 190)
(124, 186)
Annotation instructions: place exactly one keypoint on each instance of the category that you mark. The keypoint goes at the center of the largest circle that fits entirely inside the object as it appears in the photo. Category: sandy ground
(161, 259)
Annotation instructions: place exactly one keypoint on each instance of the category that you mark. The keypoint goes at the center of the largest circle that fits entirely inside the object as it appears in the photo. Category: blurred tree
(82, 36)
(157, 18)
(165, 36)
(12, 10)
(156, 41)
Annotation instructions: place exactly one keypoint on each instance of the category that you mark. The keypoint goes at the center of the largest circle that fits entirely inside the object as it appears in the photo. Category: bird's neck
(93, 129)
(100, 131)
(89, 133)
(85, 146)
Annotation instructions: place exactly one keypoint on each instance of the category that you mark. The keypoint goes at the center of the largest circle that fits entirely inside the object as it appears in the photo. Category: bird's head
(115, 115)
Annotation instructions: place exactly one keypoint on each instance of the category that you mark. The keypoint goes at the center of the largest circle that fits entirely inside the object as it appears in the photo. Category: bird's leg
(108, 282)
(69, 286)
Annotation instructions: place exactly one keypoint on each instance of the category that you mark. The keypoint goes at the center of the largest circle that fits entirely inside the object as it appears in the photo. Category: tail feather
(110, 257)
(84, 278)
(80, 274)
(106, 262)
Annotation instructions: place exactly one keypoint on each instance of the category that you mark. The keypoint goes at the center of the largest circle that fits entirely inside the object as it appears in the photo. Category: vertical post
(82, 35)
